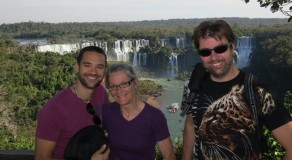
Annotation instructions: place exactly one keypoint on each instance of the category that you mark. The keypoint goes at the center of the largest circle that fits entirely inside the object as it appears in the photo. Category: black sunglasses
(218, 49)
(91, 111)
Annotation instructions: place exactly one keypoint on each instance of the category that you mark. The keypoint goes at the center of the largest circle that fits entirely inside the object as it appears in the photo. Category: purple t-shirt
(65, 114)
(135, 139)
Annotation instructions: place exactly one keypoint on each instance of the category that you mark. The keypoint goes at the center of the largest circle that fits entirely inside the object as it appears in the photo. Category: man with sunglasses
(68, 111)
(220, 123)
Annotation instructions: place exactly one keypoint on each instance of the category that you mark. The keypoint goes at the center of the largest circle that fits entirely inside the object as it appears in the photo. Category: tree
(277, 5)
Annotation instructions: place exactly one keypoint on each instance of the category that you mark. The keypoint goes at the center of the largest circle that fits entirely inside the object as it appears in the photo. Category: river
(172, 93)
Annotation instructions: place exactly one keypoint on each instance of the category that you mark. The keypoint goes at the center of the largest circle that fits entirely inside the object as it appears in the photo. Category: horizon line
(142, 20)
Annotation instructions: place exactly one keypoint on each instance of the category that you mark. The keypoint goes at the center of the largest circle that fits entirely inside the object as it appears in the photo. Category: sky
(55, 11)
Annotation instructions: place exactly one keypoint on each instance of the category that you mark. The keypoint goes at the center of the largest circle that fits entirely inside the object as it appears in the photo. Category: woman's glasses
(218, 49)
(122, 85)
(91, 111)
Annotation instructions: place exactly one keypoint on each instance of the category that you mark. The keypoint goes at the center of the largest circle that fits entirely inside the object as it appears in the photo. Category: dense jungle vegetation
(28, 78)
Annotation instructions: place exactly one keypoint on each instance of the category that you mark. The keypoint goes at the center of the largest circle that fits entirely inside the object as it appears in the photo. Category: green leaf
(289, 19)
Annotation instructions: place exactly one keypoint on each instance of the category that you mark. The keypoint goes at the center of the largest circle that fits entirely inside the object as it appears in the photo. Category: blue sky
(55, 11)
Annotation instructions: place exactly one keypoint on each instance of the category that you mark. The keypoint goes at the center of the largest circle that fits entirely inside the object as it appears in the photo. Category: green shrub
(20, 140)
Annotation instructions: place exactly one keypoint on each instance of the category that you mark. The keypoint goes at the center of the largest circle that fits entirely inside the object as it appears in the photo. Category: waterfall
(119, 51)
(58, 48)
(67, 48)
(135, 61)
(144, 58)
(165, 42)
(172, 67)
(122, 49)
(140, 43)
(180, 42)
(139, 59)
(177, 43)
(244, 48)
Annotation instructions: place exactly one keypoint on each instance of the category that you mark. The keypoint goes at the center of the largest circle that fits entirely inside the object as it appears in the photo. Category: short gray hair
(120, 67)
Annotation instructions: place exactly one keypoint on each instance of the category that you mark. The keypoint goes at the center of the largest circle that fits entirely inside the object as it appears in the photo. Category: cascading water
(122, 48)
(172, 67)
(180, 42)
(244, 48)
(139, 59)
(135, 60)
(67, 48)
(119, 52)
(144, 58)
(165, 42)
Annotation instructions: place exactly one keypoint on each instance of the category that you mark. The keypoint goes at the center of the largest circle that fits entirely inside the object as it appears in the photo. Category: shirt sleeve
(187, 99)
(161, 128)
(48, 124)
(274, 112)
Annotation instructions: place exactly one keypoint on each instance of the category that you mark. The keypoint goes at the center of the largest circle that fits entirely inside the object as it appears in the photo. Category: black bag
(85, 143)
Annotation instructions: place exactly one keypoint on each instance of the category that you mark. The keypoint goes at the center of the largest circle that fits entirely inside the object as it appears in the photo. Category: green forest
(28, 78)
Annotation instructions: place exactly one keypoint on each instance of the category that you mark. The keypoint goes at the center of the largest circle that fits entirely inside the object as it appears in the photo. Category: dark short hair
(120, 67)
(213, 28)
(92, 49)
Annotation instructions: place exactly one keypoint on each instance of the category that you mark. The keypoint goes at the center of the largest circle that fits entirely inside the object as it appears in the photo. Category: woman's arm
(166, 149)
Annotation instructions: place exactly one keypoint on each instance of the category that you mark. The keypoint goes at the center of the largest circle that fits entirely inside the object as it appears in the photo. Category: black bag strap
(197, 76)
(188, 103)
(249, 85)
(253, 103)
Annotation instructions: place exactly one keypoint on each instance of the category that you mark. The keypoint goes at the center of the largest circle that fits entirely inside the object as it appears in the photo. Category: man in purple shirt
(65, 114)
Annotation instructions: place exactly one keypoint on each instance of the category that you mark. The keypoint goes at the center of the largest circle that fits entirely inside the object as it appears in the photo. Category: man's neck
(82, 92)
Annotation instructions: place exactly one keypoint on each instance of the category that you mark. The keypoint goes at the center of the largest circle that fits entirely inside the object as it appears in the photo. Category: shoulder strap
(189, 101)
(198, 75)
(252, 101)
(250, 94)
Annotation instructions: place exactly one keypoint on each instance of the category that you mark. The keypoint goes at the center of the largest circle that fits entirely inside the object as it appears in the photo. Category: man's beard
(84, 83)
(225, 70)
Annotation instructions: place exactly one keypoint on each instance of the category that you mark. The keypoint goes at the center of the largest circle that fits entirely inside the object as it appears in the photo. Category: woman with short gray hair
(134, 127)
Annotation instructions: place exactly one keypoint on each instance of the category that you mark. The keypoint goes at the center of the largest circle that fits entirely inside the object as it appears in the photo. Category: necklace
(76, 93)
